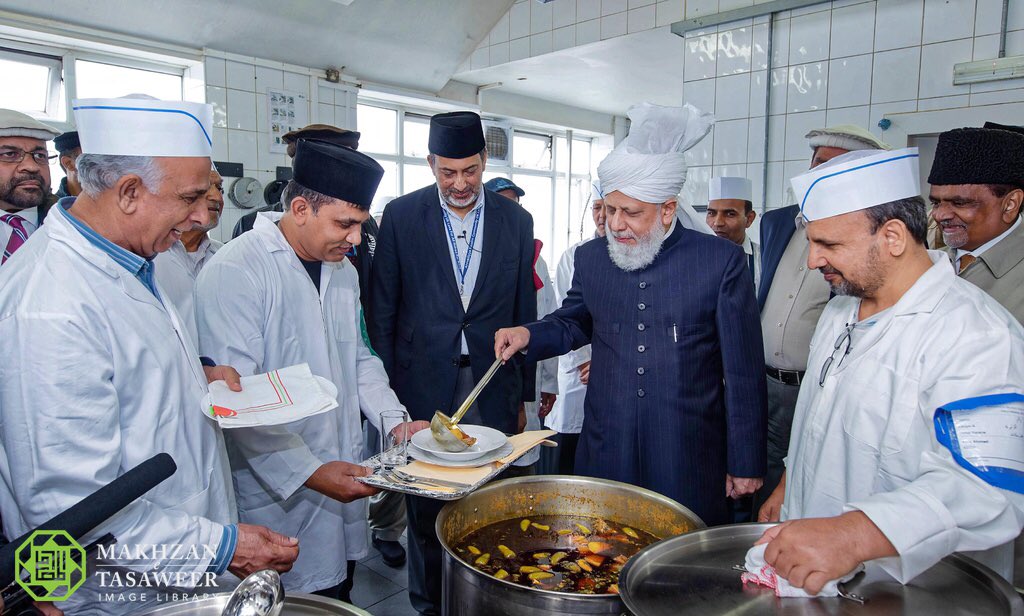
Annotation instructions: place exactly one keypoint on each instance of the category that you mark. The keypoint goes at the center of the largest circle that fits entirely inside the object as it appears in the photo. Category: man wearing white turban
(676, 401)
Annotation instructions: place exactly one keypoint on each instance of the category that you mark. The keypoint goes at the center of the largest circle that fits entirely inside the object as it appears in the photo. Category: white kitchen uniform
(866, 439)
(566, 417)
(99, 376)
(547, 370)
(176, 270)
(258, 311)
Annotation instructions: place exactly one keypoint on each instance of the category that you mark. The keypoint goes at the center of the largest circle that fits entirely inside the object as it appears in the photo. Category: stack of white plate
(490, 445)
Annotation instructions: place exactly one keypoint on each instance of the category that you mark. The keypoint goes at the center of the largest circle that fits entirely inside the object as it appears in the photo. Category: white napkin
(760, 572)
(277, 397)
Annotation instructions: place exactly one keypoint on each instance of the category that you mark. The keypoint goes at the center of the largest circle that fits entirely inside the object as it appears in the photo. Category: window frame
(39, 57)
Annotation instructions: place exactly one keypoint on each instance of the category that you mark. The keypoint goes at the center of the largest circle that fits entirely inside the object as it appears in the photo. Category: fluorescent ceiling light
(1011, 67)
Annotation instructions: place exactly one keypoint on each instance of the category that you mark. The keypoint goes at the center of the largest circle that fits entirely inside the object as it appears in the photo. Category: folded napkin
(277, 397)
(760, 572)
(521, 443)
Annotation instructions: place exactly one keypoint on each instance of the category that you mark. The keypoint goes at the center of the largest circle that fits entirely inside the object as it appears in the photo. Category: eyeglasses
(13, 156)
(844, 338)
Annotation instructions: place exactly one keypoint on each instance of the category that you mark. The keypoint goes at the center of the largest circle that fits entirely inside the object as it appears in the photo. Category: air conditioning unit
(498, 136)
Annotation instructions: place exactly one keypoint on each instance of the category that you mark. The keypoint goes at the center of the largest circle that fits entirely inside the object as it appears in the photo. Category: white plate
(418, 454)
(487, 440)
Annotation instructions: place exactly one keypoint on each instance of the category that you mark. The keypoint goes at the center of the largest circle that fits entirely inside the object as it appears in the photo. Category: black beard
(8, 193)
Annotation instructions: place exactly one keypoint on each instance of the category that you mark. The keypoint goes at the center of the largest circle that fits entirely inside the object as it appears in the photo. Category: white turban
(650, 163)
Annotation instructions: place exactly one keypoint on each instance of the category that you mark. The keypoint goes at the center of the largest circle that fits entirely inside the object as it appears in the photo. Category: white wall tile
(295, 82)
(242, 148)
(518, 49)
(734, 49)
(814, 8)
(695, 190)
(759, 48)
(790, 170)
(610, 7)
(241, 110)
(700, 94)
(997, 98)
(947, 20)
(699, 8)
(988, 15)
(220, 144)
(893, 19)
(808, 87)
(540, 17)
(214, 71)
(563, 13)
(758, 92)
(809, 38)
(701, 53)
(730, 142)
(669, 12)
(261, 112)
(780, 42)
(499, 33)
(519, 21)
(756, 174)
(1015, 43)
(937, 67)
(268, 78)
(481, 58)
(852, 30)
(587, 10)
(588, 32)
(798, 125)
(732, 97)
(986, 47)
(540, 44)
(779, 90)
(562, 38)
(643, 18)
(881, 110)
(633, 4)
(858, 116)
(895, 75)
(325, 114)
(240, 76)
(613, 25)
(849, 81)
(945, 102)
(499, 53)
(755, 140)
(1015, 16)
(218, 97)
(325, 95)
(731, 5)
(773, 194)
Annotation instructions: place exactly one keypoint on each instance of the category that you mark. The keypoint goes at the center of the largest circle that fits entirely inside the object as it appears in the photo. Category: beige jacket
(999, 271)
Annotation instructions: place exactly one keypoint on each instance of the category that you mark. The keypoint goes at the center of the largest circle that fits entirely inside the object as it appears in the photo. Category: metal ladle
(444, 429)
(259, 594)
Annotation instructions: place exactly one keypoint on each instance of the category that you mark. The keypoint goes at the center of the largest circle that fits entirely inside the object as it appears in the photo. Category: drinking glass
(394, 438)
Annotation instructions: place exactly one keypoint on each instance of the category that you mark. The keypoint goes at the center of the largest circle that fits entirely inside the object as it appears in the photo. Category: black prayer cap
(325, 132)
(458, 134)
(336, 171)
(67, 142)
(979, 156)
(1009, 127)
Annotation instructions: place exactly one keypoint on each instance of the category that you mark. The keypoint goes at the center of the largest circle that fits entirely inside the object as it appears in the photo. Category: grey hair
(912, 212)
(293, 189)
(100, 172)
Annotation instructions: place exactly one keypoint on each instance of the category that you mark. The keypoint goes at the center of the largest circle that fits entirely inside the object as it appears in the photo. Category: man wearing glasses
(24, 178)
(907, 442)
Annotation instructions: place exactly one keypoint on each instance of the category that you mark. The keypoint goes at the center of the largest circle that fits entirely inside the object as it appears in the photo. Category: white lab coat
(866, 440)
(566, 417)
(547, 370)
(176, 271)
(258, 310)
(99, 376)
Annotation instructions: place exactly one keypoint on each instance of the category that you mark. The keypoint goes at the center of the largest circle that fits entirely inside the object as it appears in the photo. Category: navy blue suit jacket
(677, 396)
(777, 228)
(418, 318)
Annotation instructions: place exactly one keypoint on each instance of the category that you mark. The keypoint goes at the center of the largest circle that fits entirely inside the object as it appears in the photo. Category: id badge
(986, 436)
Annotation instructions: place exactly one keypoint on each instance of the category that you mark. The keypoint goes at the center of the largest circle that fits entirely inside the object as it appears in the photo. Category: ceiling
(413, 44)
(608, 76)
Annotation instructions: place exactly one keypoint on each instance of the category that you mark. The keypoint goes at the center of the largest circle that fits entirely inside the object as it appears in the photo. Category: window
(530, 151)
(103, 80)
(378, 128)
(37, 77)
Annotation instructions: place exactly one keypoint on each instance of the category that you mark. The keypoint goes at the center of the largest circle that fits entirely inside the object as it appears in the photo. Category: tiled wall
(848, 61)
(236, 87)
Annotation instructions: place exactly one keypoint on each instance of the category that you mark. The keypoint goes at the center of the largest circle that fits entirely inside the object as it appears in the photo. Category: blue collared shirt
(462, 229)
(140, 267)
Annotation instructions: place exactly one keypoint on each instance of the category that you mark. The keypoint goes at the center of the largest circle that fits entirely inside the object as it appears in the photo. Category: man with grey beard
(676, 401)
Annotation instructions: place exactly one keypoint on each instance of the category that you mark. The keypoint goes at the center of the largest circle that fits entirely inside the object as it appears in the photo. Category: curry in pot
(566, 554)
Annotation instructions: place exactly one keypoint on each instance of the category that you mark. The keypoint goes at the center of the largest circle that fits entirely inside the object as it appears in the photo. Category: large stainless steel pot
(468, 591)
(296, 604)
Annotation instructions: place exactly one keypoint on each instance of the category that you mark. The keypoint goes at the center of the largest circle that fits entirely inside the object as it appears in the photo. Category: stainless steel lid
(693, 574)
(294, 605)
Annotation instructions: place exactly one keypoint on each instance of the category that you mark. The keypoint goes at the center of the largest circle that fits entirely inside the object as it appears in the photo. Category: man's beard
(956, 237)
(872, 279)
(21, 201)
(631, 258)
(460, 203)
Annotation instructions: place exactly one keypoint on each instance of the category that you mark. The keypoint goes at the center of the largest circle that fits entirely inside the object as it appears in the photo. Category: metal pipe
(1002, 28)
(767, 113)
(568, 190)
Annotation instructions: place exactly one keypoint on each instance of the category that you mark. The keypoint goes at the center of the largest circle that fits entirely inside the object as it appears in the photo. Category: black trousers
(343, 591)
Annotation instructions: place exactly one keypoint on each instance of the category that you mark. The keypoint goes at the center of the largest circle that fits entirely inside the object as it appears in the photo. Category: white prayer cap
(730, 188)
(845, 137)
(144, 127)
(16, 124)
(650, 163)
(856, 181)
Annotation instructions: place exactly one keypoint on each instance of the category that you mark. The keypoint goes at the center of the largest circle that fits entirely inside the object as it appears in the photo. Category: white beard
(631, 258)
